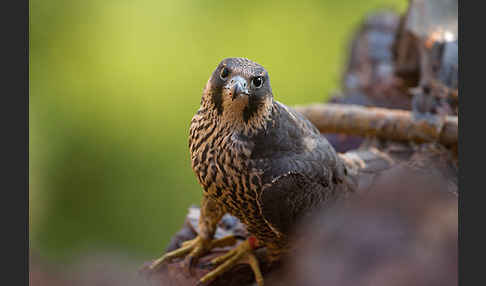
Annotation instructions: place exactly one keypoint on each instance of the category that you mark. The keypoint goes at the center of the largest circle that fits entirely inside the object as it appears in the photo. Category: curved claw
(199, 249)
(230, 259)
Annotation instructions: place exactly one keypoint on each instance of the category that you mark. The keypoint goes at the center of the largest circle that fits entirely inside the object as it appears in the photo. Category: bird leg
(244, 251)
(192, 249)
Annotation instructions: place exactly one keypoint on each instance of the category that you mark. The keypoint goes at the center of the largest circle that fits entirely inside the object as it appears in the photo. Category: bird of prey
(258, 160)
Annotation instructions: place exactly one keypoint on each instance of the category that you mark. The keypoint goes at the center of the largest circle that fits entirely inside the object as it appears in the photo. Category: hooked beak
(237, 86)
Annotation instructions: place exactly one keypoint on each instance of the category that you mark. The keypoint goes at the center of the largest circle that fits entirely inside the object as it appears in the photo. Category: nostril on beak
(237, 86)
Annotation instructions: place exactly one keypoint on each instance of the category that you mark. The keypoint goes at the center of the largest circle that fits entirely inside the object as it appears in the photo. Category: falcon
(258, 160)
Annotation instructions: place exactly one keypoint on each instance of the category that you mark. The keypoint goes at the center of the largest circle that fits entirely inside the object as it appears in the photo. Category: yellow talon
(226, 261)
(195, 247)
(255, 266)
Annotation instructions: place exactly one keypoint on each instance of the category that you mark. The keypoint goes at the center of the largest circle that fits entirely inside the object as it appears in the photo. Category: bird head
(239, 90)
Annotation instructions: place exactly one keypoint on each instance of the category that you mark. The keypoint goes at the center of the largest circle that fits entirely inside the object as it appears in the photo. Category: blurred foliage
(114, 85)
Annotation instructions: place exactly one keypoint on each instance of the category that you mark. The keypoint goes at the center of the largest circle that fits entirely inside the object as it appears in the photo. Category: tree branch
(399, 125)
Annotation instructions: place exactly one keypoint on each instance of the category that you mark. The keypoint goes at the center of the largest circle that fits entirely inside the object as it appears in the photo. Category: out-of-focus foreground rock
(404, 232)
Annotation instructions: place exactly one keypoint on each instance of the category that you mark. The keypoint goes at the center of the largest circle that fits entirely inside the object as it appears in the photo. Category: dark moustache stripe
(217, 99)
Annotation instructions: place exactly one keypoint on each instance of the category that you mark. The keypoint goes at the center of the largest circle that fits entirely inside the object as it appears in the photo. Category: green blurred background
(113, 87)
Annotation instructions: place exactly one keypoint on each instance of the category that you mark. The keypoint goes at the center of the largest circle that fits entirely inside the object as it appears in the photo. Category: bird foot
(243, 252)
(193, 249)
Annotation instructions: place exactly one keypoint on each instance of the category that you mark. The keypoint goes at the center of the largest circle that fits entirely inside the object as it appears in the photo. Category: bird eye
(224, 73)
(257, 81)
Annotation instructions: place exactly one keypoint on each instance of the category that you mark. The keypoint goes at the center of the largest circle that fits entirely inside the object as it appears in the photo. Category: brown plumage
(258, 159)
